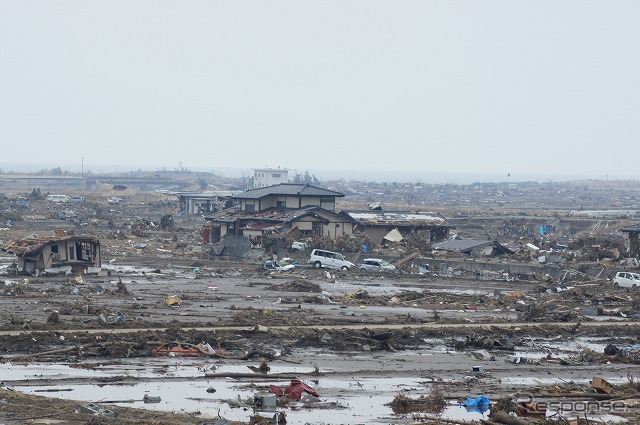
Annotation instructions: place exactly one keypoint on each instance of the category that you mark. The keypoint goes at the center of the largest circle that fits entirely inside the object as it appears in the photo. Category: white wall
(269, 177)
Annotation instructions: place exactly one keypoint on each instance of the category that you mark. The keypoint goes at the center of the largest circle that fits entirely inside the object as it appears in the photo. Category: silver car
(376, 265)
(75, 199)
(274, 265)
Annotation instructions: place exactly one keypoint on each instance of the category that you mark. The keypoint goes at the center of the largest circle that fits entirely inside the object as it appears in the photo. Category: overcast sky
(520, 87)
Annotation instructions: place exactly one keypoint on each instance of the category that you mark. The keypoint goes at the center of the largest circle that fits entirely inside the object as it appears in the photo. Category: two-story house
(280, 209)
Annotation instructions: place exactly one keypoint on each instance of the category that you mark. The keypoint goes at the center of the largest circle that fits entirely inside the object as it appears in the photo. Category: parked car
(626, 280)
(300, 246)
(57, 198)
(274, 265)
(332, 260)
(75, 199)
(67, 215)
(114, 201)
(376, 265)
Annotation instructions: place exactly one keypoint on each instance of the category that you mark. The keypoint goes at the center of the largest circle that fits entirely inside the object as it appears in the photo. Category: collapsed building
(385, 227)
(634, 242)
(473, 247)
(204, 202)
(39, 254)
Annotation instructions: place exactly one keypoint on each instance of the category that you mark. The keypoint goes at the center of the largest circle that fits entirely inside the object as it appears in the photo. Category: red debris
(294, 390)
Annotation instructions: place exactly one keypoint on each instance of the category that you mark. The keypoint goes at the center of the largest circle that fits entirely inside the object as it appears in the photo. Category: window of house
(281, 204)
(250, 208)
(84, 251)
(275, 176)
(55, 256)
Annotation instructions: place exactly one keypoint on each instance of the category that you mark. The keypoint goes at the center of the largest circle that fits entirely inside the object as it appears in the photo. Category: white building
(263, 177)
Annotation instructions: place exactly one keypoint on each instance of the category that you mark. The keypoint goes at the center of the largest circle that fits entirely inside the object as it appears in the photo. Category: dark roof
(632, 228)
(462, 245)
(270, 215)
(467, 245)
(288, 189)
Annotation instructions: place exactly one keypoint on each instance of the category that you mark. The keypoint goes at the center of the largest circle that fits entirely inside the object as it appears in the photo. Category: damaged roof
(27, 246)
(273, 215)
(398, 218)
(467, 245)
(263, 226)
(631, 228)
(289, 189)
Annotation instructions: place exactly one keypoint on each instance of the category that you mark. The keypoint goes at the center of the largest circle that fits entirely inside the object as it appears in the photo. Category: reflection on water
(182, 388)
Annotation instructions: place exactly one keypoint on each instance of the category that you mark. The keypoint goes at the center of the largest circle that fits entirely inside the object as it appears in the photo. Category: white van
(75, 199)
(58, 198)
(626, 280)
(332, 260)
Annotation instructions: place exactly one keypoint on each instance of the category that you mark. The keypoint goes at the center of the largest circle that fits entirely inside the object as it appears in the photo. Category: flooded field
(182, 388)
(354, 388)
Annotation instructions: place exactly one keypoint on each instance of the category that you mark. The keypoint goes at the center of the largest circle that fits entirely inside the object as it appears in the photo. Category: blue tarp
(479, 404)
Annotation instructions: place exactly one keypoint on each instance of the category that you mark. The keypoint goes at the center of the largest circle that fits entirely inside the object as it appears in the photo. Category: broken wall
(512, 269)
(236, 245)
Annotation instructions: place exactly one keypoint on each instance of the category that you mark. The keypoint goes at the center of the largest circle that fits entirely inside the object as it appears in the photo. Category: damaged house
(38, 254)
(387, 227)
(279, 209)
(473, 247)
(634, 241)
(204, 202)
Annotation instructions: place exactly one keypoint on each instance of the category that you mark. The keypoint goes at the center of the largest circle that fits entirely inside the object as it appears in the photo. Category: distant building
(264, 177)
(606, 213)
(204, 202)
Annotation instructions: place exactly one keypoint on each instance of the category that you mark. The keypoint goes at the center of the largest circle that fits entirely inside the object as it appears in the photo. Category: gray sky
(520, 87)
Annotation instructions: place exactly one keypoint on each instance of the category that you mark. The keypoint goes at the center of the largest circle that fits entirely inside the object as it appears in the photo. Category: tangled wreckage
(515, 318)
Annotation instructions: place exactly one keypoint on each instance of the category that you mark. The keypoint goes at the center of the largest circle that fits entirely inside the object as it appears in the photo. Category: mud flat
(359, 340)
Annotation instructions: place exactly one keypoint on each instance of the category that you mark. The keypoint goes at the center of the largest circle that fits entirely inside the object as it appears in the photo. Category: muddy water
(358, 398)
(355, 387)
(182, 388)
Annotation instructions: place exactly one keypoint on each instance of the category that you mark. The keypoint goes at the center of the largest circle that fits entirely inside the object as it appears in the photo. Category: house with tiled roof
(310, 210)
(287, 195)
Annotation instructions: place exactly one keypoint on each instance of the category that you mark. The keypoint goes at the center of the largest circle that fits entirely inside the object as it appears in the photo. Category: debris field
(165, 332)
